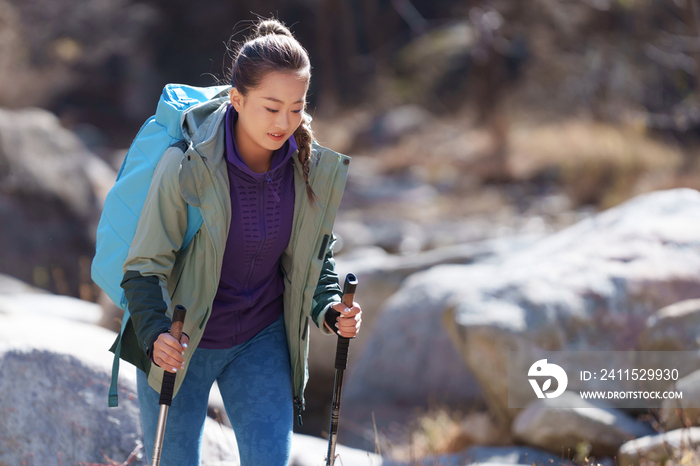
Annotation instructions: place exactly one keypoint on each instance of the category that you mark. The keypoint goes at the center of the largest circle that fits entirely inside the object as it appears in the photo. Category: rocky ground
(453, 271)
(602, 284)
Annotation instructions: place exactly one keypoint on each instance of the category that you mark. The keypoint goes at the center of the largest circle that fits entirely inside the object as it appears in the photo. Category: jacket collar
(202, 128)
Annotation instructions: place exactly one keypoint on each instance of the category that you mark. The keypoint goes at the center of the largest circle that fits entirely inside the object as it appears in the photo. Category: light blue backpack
(125, 200)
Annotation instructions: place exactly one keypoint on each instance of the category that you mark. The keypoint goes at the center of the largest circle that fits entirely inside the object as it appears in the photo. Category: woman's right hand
(168, 353)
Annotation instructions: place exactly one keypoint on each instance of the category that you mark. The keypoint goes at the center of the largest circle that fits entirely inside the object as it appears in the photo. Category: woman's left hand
(349, 320)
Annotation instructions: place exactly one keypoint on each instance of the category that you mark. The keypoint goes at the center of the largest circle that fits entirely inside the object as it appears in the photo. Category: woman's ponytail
(304, 136)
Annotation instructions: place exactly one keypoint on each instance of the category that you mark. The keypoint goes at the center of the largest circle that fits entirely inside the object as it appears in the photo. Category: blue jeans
(256, 385)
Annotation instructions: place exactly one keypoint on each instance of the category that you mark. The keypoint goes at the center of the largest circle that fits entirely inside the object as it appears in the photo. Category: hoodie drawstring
(269, 183)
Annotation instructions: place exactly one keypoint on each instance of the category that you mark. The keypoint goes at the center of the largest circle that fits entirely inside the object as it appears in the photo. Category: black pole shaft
(168, 385)
(341, 363)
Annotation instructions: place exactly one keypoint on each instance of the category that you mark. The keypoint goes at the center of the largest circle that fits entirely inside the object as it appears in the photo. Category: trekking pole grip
(341, 354)
(168, 386)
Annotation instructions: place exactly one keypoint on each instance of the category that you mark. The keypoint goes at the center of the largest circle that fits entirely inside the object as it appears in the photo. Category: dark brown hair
(274, 48)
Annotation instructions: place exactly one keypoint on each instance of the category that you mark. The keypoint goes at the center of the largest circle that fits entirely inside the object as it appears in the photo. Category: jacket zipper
(211, 239)
(261, 222)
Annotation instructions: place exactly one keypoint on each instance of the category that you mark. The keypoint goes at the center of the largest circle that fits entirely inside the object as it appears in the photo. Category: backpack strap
(113, 401)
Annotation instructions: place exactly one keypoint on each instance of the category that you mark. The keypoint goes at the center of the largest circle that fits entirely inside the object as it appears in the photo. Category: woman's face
(270, 113)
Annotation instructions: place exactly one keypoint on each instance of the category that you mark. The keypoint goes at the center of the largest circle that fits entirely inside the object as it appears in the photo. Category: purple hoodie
(249, 297)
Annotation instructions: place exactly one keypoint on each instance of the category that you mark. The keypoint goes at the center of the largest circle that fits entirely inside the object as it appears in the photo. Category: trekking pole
(166, 389)
(341, 363)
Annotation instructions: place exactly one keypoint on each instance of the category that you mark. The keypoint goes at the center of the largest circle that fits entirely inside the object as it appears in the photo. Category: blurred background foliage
(505, 115)
(603, 77)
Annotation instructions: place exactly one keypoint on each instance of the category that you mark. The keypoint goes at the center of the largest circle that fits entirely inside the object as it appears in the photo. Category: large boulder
(380, 275)
(384, 378)
(54, 376)
(589, 287)
(55, 372)
(10, 285)
(567, 421)
(50, 200)
(510, 455)
(673, 328)
(406, 362)
(19, 298)
(660, 448)
(488, 456)
(683, 412)
(54, 411)
(311, 451)
(42, 305)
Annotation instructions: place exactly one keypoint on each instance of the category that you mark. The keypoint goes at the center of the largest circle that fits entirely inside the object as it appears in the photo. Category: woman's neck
(257, 158)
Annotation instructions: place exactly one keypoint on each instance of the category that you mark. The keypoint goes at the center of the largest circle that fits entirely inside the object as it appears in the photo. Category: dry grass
(595, 163)
(441, 431)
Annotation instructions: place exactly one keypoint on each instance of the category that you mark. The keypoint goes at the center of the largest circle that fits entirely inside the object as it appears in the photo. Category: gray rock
(659, 448)
(17, 297)
(54, 376)
(408, 361)
(42, 305)
(379, 365)
(392, 125)
(452, 460)
(55, 411)
(684, 412)
(566, 421)
(312, 451)
(10, 285)
(87, 343)
(101, 176)
(510, 455)
(51, 188)
(219, 448)
(591, 286)
(488, 456)
(380, 275)
(673, 328)
(41, 158)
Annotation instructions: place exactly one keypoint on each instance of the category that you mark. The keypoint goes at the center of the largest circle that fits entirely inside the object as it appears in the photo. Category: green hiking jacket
(158, 276)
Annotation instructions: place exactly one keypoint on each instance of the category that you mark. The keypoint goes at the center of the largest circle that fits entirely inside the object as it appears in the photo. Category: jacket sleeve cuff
(329, 315)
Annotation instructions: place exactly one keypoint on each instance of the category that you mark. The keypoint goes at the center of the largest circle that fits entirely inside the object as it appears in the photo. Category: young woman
(258, 269)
